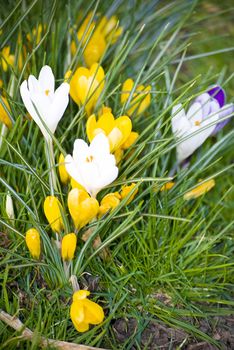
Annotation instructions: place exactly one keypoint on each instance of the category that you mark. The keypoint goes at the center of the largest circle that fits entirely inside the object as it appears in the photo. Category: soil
(157, 336)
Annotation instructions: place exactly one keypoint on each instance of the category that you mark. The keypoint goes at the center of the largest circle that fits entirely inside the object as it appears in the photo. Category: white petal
(205, 100)
(58, 106)
(73, 170)
(195, 113)
(179, 122)
(25, 95)
(80, 151)
(99, 146)
(33, 85)
(46, 79)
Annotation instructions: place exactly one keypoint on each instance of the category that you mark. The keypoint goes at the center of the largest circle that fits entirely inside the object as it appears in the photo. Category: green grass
(159, 243)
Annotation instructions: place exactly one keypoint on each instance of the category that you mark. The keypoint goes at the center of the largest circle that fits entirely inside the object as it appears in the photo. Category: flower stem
(51, 165)
(74, 282)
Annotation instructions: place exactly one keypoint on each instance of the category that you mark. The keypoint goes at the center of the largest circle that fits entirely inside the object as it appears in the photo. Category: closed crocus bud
(126, 190)
(84, 312)
(68, 246)
(109, 202)
(52, 210)
(200, 190)
(82, 207)
(9, 207)
(63, 174)
(33, 242)
(167, 186)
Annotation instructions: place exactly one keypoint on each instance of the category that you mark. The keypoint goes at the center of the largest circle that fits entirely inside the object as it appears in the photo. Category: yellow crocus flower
(116, 130)
(86, 86)
(63, 174)
(139, 103)
(4, 112)
(126, 190)
(82, 207)
(109, 202)
(33, 242)
(200, 190)
(52, 210)
(6, 58)
(84, 312)
(68, 246)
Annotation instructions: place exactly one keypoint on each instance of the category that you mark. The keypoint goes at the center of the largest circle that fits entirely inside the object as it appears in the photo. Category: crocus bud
(84, 311)
(9, 207)
(200, 190)
(32, 239)
(52, 210)
(82, 207)
(126, 190)
(63, 174)
(68, 246)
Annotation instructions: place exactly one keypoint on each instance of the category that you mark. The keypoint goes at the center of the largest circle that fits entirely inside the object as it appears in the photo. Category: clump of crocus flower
(140, 98)
(204, 118)
(95, 36)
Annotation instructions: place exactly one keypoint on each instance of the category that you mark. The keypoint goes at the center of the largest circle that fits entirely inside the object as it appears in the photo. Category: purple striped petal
(219, 94)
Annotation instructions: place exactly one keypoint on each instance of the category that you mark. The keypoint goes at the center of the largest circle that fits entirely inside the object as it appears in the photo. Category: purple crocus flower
(202, 120)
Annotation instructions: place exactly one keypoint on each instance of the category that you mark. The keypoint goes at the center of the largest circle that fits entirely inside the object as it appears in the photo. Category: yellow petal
(4, 112)
(52, 210)
(32, 239)
(68, 246)
(118, 155)
(167, 186)
(109, 202)
(63, 174)
(80, 294)
(77, 314)
(91, 125)
(120, 132)
(82, 207)
(75, 184)
(126, 190)
(130, 140)
(200, 190)
(93, 313)
(126, 90)
(106, 122)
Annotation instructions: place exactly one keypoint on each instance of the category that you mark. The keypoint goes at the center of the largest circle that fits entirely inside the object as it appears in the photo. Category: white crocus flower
(195, 126)
(44, 103)
(93, 167)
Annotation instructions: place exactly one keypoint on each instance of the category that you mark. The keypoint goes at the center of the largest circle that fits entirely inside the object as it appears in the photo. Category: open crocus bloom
(43, 102)
(201, 120)
(92, 166)
(117, 130)
(87, 85)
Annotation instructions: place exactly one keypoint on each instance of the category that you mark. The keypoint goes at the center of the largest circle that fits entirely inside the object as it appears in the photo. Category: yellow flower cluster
(95, 36)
